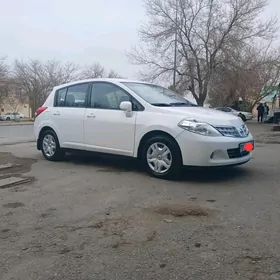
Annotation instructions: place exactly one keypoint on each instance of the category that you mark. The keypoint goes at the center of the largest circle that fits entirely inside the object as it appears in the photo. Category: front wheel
(50, 146)
(162, 157)
(8, 119)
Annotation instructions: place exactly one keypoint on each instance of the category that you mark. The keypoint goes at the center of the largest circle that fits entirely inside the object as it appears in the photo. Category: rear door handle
(91, 116)
(56, 113)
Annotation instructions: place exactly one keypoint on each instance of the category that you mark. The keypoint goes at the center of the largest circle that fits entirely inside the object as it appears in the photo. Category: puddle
(11, 168)
(12, 164)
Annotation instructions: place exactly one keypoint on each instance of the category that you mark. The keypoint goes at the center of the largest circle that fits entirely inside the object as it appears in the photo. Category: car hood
(207, 115)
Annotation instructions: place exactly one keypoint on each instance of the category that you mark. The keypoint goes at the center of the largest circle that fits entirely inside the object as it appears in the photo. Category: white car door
(16, 115)
(68, 115)
(10, 116)
(107, 128)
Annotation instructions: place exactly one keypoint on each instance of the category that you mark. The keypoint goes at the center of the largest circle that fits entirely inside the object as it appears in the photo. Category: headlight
(199, 127)
(244, 131)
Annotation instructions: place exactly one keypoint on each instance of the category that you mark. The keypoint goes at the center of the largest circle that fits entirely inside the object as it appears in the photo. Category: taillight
(40, 110)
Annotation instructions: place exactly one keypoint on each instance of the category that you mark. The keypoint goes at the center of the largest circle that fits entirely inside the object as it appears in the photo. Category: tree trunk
(200, 101)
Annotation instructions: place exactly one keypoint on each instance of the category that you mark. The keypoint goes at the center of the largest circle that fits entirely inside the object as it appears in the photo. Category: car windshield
(157, 95)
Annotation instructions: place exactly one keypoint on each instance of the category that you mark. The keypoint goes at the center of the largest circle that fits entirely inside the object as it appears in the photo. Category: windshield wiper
(183, 104)
(174, 104)
(180, 104)
(162, 104)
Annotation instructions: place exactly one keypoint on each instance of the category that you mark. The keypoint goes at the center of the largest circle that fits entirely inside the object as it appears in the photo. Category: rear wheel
(8, 119)
(162, 157)
(50, 146)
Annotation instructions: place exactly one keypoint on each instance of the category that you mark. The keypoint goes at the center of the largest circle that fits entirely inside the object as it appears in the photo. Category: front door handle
(91, 116)
(56, 113)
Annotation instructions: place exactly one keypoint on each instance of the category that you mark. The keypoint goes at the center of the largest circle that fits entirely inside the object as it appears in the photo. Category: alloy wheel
(49, 145)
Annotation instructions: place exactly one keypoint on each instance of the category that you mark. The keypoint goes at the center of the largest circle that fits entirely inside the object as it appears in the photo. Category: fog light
(218, 154)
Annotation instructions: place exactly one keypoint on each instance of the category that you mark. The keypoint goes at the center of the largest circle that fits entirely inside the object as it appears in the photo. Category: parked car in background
(245, 116)
(11, 116)
(139, 120)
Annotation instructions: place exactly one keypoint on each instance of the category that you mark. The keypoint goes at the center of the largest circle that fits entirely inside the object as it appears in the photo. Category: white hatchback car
(245, 116)
(11, 116)
(140, 120)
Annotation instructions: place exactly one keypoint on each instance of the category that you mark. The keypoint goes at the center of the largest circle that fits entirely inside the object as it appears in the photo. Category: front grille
(235, 153)
(229, 131)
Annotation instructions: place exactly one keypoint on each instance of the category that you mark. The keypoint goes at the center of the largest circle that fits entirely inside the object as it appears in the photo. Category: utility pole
(278, 95)
(175, 46)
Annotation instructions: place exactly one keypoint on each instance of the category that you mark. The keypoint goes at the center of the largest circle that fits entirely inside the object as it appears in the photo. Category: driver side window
(109, 96)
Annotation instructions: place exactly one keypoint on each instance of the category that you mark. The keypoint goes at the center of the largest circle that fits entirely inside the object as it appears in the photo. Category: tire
(50, 146)
(243, 118)
(169, 159)
(8, 119)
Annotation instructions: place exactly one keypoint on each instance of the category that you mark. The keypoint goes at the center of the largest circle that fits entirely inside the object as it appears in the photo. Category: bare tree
(4, 72)
(113, 74)
(37, 78)
(206, 31)
(246, 74)
(96, 70)
(4, 68)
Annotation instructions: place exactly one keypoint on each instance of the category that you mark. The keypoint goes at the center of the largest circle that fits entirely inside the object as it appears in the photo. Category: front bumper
(199, 150)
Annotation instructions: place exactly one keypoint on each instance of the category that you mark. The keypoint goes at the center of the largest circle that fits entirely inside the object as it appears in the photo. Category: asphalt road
(92, 217)
(15, 133)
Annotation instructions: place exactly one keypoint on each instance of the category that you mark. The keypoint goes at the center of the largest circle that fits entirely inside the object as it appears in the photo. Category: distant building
(13, 100)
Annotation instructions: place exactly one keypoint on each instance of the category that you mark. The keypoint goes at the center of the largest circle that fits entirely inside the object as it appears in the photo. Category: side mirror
(126, 106)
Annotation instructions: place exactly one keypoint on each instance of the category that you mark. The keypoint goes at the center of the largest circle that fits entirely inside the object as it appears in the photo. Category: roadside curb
(9, 143)
(16, 124)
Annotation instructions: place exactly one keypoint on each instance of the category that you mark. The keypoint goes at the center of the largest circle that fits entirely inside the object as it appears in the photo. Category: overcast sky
(81, 31)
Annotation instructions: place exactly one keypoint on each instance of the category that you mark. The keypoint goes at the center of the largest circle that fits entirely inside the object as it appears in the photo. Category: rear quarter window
(60, 98)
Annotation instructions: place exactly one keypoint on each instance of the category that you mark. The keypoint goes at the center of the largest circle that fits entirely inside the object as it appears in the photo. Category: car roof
(112, 80)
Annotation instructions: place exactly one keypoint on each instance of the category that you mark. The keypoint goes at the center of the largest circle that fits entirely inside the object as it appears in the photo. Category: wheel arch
(151, 134)
(242, 116)
(43, 129)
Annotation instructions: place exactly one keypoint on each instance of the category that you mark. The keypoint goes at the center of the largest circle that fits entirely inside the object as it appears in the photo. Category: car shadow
(120, 164)
(105, 163)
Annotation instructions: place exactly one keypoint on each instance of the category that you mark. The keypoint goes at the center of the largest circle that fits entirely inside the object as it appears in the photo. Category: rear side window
(73, 96)
(61, 94)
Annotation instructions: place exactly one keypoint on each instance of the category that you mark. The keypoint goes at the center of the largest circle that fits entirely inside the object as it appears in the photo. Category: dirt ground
(98, 217)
